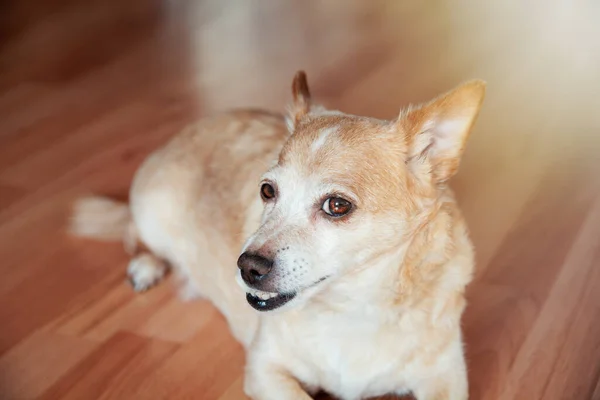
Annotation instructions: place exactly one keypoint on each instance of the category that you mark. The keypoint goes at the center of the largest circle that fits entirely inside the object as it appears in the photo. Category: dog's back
(193, 201)
(207, 176)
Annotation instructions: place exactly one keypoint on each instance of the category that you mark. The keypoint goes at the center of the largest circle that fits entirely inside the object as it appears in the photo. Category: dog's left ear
(437, 131)
(301, 101)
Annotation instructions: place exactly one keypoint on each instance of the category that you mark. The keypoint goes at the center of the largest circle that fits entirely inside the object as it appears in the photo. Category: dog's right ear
(301, 101)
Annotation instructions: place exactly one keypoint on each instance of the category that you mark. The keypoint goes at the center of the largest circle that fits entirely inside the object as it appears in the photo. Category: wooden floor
(88, 88)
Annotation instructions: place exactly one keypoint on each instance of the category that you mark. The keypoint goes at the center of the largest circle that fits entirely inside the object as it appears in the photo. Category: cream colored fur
(379, 292)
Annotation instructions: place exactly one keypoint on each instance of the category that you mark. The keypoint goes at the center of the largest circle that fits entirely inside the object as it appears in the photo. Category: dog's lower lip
(269, 304)
(276, 301)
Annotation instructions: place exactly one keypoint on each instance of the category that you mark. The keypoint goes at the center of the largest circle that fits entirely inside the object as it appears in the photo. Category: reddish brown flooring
(88, 88)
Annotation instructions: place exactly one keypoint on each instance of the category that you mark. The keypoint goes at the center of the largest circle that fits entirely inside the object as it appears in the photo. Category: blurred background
(89, 88)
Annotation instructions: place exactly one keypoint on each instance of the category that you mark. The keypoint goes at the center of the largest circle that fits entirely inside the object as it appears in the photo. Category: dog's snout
(254, 267)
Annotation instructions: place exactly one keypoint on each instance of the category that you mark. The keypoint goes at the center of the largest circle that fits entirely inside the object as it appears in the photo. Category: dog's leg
(266, 383)
(449, 382)
(443, 388)
(145, 270)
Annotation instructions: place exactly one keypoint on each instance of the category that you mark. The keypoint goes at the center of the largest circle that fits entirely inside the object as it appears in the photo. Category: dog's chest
(349, 358)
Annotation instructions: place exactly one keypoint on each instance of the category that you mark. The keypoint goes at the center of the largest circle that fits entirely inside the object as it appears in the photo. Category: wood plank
(10, 194)
(178, 321)
(38, 361)
(507, 298)
(539, 358)
(207, 364)
(113, 368)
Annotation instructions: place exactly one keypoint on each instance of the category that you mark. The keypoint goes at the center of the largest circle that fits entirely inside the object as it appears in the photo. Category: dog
(353, 254)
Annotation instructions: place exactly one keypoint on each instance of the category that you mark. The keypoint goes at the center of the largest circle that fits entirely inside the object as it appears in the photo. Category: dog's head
(347, 190)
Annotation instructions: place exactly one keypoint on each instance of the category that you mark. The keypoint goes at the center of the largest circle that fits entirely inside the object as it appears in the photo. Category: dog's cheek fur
(353, 244)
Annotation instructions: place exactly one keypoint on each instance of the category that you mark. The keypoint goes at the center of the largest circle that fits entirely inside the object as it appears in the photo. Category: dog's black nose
(254, 267)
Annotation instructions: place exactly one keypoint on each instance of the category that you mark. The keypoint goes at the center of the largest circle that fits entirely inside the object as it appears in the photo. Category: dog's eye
(267, 191)
(336, 206)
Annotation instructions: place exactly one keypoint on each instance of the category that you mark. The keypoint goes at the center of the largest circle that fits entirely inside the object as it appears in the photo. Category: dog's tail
(103, 219)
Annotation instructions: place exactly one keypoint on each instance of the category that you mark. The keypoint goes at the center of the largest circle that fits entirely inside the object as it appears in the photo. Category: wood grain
(88, 89)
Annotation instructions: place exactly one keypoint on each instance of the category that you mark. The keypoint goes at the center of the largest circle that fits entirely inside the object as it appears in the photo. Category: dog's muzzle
(255, 269)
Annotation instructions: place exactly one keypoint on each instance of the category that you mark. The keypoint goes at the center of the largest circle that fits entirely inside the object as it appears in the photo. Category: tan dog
(356, 256)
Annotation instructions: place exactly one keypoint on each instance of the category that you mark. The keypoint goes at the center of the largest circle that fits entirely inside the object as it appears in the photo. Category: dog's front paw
(145, 271)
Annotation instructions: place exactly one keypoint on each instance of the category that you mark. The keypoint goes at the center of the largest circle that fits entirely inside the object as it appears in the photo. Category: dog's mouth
(268, 301)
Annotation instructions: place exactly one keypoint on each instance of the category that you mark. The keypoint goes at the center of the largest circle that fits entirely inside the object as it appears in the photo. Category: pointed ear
(438, 131)
(301, 101)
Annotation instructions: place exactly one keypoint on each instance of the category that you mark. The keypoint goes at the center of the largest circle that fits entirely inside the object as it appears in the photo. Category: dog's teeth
(262, 295)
